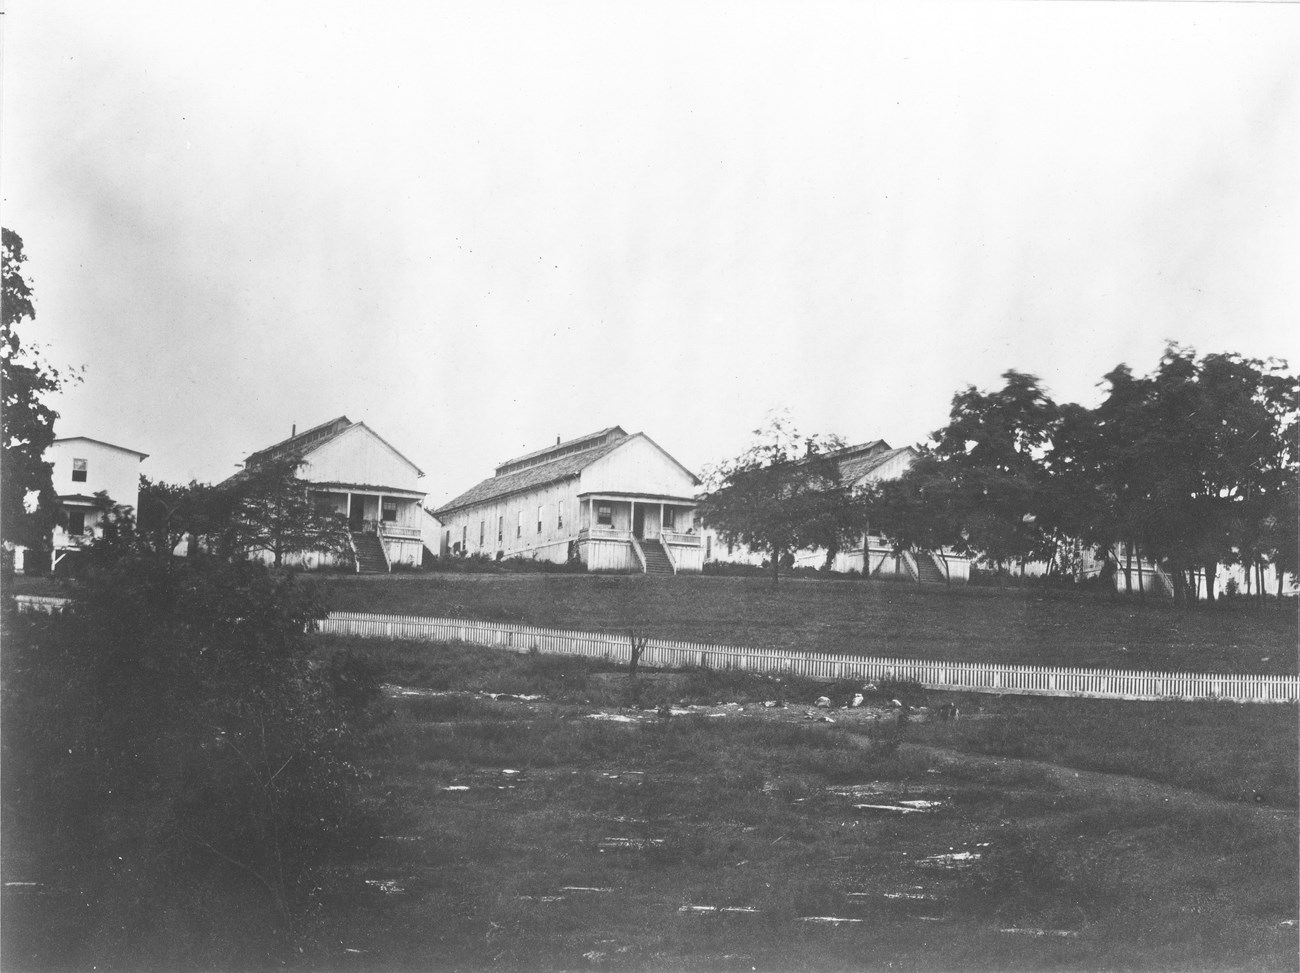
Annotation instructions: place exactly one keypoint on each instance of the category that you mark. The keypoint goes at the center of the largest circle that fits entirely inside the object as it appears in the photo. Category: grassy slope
(741, 812)
(961, 624)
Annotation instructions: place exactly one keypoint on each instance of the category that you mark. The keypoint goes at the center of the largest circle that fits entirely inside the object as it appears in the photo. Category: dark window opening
(79, 472)
(604, 514)
(390, 510)
(76, 521)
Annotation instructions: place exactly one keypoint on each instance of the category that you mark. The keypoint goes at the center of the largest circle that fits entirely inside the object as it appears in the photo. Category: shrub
(177, 767)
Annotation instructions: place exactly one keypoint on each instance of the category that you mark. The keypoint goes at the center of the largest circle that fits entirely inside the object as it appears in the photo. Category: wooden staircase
(656, 559)
(927, 572)
(370, 553)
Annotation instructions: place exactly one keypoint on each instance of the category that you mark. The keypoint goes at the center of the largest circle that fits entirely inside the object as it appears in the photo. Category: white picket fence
(958, 676)
(977, 677)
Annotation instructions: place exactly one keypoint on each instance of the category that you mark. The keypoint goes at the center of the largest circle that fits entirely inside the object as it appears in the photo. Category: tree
(783, 494)
(1195, 456)
(992, 452)
(176, 767)
(171, 512)
(922, 511)
(271, 509)
(28, 419)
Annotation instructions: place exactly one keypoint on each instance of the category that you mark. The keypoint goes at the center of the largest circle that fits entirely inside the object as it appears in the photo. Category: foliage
(1192, 466)
(28, 419)
(168, 512)
(272, 510)
(783, 494)
(176, 769)
(1194, 460)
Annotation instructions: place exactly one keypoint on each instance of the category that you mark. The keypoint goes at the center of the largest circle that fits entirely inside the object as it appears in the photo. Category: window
(559, 515)
(519, 524)
(464, 536)
(604, 514)
(482, 532)
(539, 518)
(77, 521)
(78, 472)
(501, 529)
(390, 510)
(670, 518)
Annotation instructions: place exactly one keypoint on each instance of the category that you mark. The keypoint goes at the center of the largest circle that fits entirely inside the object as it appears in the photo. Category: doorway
(638, 522)
(356, 513)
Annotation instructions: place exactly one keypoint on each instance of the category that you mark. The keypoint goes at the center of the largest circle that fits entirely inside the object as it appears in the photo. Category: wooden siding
(609, 555)
(513, 541)
(115, 471)
(359, 456)
(638, 466)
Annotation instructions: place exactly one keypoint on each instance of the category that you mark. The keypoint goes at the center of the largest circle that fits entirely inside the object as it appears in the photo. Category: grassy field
(527, 834)
(976, 624)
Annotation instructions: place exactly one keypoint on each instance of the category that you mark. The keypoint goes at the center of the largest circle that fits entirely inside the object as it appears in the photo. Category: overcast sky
(478, 226)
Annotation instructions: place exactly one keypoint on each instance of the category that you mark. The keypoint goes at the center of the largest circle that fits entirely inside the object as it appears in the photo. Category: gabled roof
(304, 443)
(301, 443)
(857, 462)
(592, 440)
(100, 442)
(540, 467)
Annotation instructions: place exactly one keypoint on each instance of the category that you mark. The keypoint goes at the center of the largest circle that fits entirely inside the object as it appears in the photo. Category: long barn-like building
(612, 500)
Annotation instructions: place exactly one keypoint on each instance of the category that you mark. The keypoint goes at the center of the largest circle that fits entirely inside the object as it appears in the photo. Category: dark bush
(175, 769)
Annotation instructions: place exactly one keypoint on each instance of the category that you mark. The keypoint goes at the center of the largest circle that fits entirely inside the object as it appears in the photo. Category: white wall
(638, 466)
(115, 471)
(359, 456)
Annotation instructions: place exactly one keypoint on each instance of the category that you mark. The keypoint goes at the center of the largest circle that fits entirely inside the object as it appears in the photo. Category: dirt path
(1092, 782)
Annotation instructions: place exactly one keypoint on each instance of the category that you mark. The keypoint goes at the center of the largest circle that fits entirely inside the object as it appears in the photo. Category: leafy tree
(992, 453)
(783, 494)
(922, 511)
(27, 381)
(176, 769)
(1195, 455)
(271, 509)
(170, 512)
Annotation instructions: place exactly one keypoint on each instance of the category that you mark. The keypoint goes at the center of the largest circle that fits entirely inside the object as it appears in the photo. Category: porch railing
(604, 534)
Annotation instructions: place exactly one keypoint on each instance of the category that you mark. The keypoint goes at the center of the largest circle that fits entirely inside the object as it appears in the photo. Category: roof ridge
(548, 454)
(284, 445)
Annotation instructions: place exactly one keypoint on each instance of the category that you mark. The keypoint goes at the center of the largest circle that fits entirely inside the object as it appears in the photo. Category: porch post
(348, 512)
(632, 523)
(661, 521)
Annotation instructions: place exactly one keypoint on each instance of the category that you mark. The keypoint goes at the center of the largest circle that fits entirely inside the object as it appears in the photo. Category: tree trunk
(776, 565)
(1211, 572)
(1142, 591)
(1128, 568)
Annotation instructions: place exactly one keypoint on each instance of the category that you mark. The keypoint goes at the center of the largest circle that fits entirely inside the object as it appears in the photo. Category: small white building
(356, 472)
(614, 501)
(860, 465)
(82, 468)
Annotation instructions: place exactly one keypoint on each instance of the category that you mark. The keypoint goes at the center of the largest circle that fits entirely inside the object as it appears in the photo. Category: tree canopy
(1192, 466)
(27, 382)
(783, 494)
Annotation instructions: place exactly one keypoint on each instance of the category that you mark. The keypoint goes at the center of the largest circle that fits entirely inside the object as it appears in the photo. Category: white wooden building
(83, 467)
(865, 463)
(356, 472)
(614, 501)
